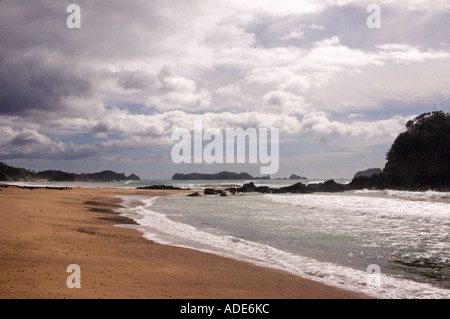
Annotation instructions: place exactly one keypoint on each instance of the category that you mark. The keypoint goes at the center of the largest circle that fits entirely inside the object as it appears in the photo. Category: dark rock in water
(279, 191)
(263, 189)
(250, 188)
(196, 194)
(297, 188)
(212, 191)
(161, 187)
(368, 172)
(247, 188)
(209, 191)
(329, 186)
(362, 182)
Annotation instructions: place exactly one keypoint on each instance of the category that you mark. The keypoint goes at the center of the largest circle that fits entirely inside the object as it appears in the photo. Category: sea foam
(160, 228)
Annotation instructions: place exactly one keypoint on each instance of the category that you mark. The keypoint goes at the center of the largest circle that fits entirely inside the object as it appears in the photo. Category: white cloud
(419, 5)
(284, 102)
(366, 133)
(295, 34)
(178, 92)
(316, 27)
(412, 5)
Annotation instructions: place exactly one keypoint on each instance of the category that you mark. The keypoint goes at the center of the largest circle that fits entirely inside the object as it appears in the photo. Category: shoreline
(45, 230)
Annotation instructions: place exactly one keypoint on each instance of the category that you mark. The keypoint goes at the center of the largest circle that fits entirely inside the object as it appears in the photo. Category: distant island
(293, 176)
(225, 175)
(10, 173)
(218, 176)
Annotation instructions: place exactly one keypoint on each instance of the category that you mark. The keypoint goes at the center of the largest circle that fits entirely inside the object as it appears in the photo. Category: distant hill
(12, 173)
(53, 175)
(3, 177)
(106, 176)
(217, 176)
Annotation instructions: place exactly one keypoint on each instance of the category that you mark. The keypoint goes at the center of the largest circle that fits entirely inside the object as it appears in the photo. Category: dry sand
(42, 231)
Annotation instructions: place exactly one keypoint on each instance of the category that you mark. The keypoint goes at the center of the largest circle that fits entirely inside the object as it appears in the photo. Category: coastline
(42, 231)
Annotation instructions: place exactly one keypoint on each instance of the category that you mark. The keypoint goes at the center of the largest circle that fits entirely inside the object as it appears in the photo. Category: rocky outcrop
(368, 172)
(161, 187)
(297, 188)
(250, 188)
(329, 186)
(212, 191)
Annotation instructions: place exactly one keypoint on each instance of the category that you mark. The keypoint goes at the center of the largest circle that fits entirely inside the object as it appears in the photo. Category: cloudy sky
(108, 95)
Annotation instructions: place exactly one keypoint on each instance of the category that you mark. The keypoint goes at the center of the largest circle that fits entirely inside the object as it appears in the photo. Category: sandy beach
(42, 231)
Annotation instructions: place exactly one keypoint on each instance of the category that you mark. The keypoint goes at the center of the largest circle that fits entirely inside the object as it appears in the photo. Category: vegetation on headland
(419, 159)
(13, 173)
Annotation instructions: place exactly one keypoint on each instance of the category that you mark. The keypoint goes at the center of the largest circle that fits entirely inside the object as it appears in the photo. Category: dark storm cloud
(35, 73)
(135, 80)
(43, 62)
(32, 85)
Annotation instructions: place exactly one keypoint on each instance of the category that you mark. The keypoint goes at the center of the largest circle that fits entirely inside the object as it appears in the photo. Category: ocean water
(336, 239)
(193, 185)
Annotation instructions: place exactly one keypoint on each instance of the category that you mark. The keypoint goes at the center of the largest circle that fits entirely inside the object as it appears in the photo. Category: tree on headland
(420, 157)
